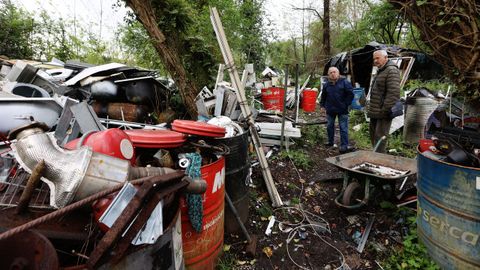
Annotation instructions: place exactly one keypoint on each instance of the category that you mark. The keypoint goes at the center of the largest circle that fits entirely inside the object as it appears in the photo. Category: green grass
(299, 157)
(313, 135)
(264, 210)
(395, 141)
(413, 255)
(227, 261)
(362, 137)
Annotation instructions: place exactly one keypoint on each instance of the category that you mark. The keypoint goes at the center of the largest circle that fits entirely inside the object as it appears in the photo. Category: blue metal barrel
(448, 217)
(358, 94)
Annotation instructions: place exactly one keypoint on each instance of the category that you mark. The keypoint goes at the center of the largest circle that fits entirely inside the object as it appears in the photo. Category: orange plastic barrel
(272, 98)
(202, 250)
(309, 100)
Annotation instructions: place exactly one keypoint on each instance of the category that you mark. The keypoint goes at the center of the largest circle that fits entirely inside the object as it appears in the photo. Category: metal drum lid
(198, 128)
(154, 138)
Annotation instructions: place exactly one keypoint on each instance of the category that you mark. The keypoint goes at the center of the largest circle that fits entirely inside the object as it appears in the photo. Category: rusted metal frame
(56, 214)
(128, 214)
(142, 218)
(30, 187)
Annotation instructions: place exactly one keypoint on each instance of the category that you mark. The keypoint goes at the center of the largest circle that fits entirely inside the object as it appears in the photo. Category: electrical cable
(314, 222)
(291, 235)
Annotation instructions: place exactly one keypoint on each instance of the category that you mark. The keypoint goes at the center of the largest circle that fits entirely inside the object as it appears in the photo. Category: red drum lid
(155, 138)
(198, 128)
(112, 142)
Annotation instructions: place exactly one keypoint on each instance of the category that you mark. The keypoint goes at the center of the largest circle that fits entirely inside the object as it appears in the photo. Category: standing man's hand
(322, 110)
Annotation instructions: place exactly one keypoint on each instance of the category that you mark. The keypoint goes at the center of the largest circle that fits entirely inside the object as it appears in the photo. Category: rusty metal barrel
(448, 216)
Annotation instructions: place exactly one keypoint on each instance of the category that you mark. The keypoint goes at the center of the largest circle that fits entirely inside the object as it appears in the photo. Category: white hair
(333, 68)
(381, 52)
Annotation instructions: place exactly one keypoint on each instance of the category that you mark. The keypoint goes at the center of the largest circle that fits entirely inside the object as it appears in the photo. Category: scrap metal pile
(86, 164)
(452, 133)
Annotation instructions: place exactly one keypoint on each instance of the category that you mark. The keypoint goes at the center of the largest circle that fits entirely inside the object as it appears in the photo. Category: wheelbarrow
(374, 171)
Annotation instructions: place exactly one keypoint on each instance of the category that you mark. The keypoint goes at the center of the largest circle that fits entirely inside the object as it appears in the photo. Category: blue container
(358, 93)
(448, 216)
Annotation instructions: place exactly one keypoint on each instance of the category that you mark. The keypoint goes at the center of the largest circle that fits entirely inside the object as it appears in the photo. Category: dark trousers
(379, 128)
(343, 124)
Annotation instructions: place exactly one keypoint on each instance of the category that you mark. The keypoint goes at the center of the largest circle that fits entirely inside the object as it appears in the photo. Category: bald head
(333, 74)
(380, 57)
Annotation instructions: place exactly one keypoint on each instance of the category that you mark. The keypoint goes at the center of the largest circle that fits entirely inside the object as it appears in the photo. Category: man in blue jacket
(337, 95)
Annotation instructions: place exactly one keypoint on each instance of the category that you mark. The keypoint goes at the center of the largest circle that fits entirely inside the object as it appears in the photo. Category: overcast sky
(96, 15)
(102, 19)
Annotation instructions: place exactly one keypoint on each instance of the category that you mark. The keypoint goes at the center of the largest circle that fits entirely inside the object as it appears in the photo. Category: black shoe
(328, 144)
(348, 150)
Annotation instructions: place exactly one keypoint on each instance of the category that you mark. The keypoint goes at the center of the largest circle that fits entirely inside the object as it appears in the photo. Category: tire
(353, 192)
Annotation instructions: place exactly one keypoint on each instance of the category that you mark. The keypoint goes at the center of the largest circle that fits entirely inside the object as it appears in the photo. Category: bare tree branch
(310, 9)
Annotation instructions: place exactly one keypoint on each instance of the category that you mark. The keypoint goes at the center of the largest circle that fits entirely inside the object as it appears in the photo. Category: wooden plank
(232, 70)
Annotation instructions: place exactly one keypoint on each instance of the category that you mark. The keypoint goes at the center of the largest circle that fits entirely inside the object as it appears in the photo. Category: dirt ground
(293, 244)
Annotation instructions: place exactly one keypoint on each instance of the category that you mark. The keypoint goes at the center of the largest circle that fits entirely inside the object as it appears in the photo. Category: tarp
(424, 66)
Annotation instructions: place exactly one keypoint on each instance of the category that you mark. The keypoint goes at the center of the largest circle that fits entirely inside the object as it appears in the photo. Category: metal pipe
(72, 175)
(139, 172)
(30, 187)
(282, 134)
(296, 90)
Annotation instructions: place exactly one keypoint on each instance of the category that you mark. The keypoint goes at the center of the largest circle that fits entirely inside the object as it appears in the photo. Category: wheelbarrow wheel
(352, 194)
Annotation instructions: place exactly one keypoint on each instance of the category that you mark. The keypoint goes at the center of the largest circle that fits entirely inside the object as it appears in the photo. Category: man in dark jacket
(385, 92)
(337, 95)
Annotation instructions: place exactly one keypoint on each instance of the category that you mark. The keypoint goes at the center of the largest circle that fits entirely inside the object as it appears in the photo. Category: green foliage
(435, 86)
(226, 261)
(295, 201)
(17, 27)
(26, 37)
(280, 53)
(395, 141)
(264, 211)
(187, 28)
(413, 255)
(254, 36)
(362, 136)
(300, 158)
(138, 47)
(381, 23)
(313, 135)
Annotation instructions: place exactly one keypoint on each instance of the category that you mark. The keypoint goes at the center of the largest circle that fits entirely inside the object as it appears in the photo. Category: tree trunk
(326, 28)
(168, 54)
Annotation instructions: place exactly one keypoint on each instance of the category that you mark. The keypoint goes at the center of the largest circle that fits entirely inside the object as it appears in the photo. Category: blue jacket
(337, 97)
